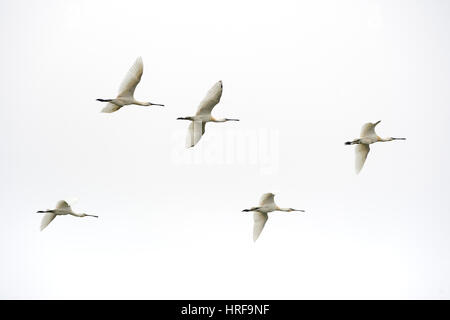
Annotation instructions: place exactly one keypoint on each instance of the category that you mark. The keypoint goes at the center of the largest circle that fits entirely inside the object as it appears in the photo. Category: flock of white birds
(195, 132)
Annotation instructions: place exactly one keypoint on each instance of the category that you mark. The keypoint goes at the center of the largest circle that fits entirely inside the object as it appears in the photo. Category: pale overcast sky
(302, 76)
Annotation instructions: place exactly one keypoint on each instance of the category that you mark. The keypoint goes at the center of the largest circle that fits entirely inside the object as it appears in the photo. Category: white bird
(203, 115)
(367, 137)
(62, 209)
(266, 205)
(126, 90)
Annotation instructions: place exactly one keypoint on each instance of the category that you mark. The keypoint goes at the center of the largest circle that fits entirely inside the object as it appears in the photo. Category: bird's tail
(352, 142)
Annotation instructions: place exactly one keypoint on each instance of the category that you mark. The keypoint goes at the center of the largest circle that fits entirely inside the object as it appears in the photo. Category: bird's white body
(367, 137)
(62, 209)
(260, 213)
(126, 90)
(203, 115)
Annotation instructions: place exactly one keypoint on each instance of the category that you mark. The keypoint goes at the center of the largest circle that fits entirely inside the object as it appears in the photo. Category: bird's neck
(77, 214)
(142, 103)
(385, 139)
(218, 120)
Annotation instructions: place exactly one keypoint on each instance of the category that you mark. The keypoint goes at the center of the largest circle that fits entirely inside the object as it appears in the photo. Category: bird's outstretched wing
(63, 205)
(267, 199)
(46, 219)
(211, 99)
(195, 131)
(110, 108)
(368, 130)
(361, 152)
(260, 220)
(132, 79)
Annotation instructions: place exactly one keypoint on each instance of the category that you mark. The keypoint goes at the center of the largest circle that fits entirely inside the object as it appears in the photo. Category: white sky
(303, 76)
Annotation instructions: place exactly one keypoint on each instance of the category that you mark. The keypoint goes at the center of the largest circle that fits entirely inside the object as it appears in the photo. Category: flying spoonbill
(203, 115)
(367, 137)
(62, 209)
(266, 205)
(126, 90)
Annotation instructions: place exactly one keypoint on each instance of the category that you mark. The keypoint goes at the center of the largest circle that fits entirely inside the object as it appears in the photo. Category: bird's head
(154, 104)
(88, 215)
(292, 209)
(392, 139)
